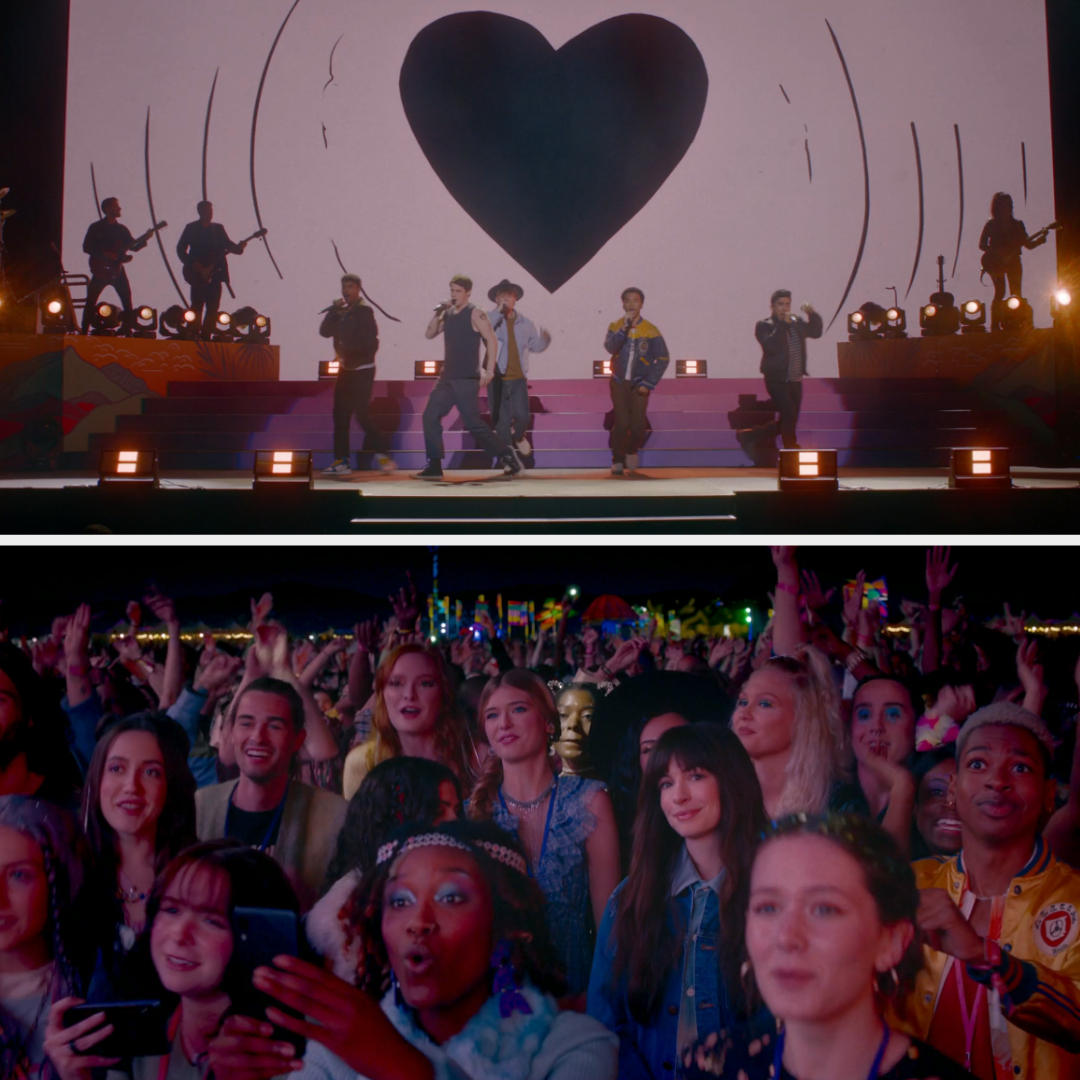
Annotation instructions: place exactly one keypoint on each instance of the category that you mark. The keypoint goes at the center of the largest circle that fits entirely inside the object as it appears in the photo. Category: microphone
(337, 303)
(443, 307)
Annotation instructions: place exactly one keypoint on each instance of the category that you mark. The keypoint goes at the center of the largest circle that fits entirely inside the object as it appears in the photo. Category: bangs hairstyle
(819, 744)
(482, 799)
(887, 874)
(647, 949)
(451, 733)
(517, 910)
(1001, 205)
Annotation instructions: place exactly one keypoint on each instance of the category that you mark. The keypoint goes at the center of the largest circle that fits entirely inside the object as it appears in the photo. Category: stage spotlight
(55, 315)
(106, 320)
(1062, 308)
(179, 322)
(328, 369)
(807, 470)
(292, 467)
(144, 322)
(252, 328)
(691, 369)
(979, 468)
(128, 466)
(972, 317)
(223, 328)
(427, 369)
(895, 323)
(1016, 314)
(940, 317)
(601, 369)
(866, 323)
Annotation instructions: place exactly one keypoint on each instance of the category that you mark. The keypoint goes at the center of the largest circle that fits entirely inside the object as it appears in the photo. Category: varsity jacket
(640, 355)
(306, 839)
(1035, 1006)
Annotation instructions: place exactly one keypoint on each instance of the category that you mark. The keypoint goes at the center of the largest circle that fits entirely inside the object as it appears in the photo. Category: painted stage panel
(707, 152)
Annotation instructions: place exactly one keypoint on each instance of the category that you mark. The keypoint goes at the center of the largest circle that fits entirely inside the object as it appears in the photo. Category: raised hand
(816, 598)
(260, 611)
(853, 600)
(406, 606)
(270, 649)
(626, 655)
(217, 674)
(163, 608)
(938, 571)
(68, 1048)
(721, 649)
(367, 634)
(782, 556)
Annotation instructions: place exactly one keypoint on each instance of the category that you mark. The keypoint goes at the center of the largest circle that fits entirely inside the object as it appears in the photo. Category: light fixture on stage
(807, 470)
(283, 467)
(328, 369)
(55, 318)
(691, 369)
(979, 468)
(128, 467)
(866, 323)
(179, 322)
(427, 369)
(223, 328)
(972, 317)
(601, 369)
(252, 328)
(895, 325)
(1062, 308)
(106, 320)
(144, 322)
(939, 319)
(1016, 314)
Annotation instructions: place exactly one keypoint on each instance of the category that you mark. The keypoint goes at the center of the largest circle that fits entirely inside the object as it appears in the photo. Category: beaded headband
(498, 852)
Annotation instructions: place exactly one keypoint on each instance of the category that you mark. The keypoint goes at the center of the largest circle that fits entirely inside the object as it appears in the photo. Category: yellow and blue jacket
(640, 355)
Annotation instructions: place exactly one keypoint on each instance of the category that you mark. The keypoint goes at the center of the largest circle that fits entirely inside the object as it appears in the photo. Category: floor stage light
(139, 467)
(807, 470)
(979, 467)
(291, 467)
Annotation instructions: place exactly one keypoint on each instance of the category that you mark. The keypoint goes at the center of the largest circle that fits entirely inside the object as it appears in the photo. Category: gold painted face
(576, 705)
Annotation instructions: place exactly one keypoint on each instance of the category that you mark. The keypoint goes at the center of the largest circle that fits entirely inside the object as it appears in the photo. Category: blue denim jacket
(650, 1052)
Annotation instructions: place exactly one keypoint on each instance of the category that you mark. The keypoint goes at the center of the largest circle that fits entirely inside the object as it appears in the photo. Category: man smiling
(295, 823)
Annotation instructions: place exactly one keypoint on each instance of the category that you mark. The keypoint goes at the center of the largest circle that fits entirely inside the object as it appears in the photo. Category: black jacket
(356, 337)
(772, 336)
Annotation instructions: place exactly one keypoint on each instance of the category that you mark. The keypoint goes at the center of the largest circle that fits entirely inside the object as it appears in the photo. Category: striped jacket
(1035, 1007)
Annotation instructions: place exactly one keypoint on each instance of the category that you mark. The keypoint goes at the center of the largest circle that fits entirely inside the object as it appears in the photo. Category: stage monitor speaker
(128, 467)
(807, 470)
(979, 468)
(290, 467)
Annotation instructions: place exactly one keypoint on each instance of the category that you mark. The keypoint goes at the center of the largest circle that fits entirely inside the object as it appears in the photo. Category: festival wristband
(783, 586)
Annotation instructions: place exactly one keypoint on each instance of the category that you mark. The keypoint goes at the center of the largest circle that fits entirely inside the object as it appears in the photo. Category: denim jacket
(528, 337)
(651, 1052)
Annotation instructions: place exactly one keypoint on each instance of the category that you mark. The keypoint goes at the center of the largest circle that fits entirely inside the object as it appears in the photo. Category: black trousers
(787, 400)
(206, 295)
(352, 397)
(94, 290)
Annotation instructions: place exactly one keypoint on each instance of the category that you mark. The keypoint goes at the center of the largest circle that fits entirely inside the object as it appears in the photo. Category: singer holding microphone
(351, 323)
(639, 359)
(782, 337)
(463, 326)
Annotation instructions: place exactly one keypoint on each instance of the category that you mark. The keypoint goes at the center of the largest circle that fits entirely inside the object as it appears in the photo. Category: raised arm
(938, 576)
(788, 629)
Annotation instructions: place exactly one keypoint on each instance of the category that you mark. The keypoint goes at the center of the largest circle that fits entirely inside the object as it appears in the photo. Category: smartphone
(260, 934)
(139, 1028)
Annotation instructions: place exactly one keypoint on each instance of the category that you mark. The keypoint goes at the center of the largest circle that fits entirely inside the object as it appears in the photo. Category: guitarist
(107, 243)
(1002, 239)
(203, 249)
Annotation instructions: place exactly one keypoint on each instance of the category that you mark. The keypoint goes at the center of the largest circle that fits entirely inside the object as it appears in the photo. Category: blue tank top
(462, 346)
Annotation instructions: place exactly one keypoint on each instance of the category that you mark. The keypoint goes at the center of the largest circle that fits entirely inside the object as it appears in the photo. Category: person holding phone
(41, 874)
(452, 916)
(197, 972)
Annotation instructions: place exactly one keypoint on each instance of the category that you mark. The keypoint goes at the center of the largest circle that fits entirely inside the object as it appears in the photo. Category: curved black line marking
(918, 170)
(960, 172)
(153, 216)
(809, 167)
(337, 254)
(362, 289)
(866, 176)
(97, 201)
(206, 133)
(254, 123)
(331, 79)
(784, 92)
(324, 142)
(1023, 162)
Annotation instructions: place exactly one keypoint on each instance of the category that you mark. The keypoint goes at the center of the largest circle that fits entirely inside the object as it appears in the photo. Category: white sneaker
(339, 468)
(385, 464)
(631, 463)
(523, 447)
(617, 468)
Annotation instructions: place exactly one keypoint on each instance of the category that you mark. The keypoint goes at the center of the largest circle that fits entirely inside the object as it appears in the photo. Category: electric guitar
(201, 273)
(109, 263)
(997, 259)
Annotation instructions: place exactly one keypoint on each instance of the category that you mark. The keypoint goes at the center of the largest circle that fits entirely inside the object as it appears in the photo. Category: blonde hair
(819, 753)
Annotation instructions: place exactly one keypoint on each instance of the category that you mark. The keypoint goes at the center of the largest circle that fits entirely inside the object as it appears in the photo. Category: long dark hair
(397, 792)
(648, 939)
(517, 901)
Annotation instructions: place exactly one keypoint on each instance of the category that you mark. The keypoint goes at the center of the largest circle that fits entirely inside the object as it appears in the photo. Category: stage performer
(508, 392)
(204, 249)
(464, 326)
(107, 242)
(640, 358)
(351, 323)
(1002, 239)
(782, 337)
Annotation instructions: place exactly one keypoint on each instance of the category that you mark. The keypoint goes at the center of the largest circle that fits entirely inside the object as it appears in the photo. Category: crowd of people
(830, 852)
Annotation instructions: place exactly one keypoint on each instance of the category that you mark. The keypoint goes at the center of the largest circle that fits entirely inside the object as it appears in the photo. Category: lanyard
(970, 1020)
(875, 1069)
(275, 821)
(172, 1032)
(547, 822)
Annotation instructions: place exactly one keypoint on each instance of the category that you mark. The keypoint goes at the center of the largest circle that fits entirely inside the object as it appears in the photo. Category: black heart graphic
(552, 152)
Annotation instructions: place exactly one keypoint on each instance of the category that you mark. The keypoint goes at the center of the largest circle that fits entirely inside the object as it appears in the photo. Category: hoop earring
(894, 990)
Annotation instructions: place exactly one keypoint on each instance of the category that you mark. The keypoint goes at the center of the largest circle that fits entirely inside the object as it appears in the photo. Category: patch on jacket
(1055, 928)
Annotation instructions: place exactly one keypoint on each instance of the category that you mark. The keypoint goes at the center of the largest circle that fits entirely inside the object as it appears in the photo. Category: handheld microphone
(337, 303)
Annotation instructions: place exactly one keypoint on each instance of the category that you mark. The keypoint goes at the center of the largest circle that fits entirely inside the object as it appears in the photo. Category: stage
(691, 501)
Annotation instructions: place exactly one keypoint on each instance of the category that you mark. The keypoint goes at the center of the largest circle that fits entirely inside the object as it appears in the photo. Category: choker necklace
(532, 804)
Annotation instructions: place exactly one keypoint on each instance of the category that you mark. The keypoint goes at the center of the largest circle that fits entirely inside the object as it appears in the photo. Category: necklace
(532, 804)
(130, 895)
